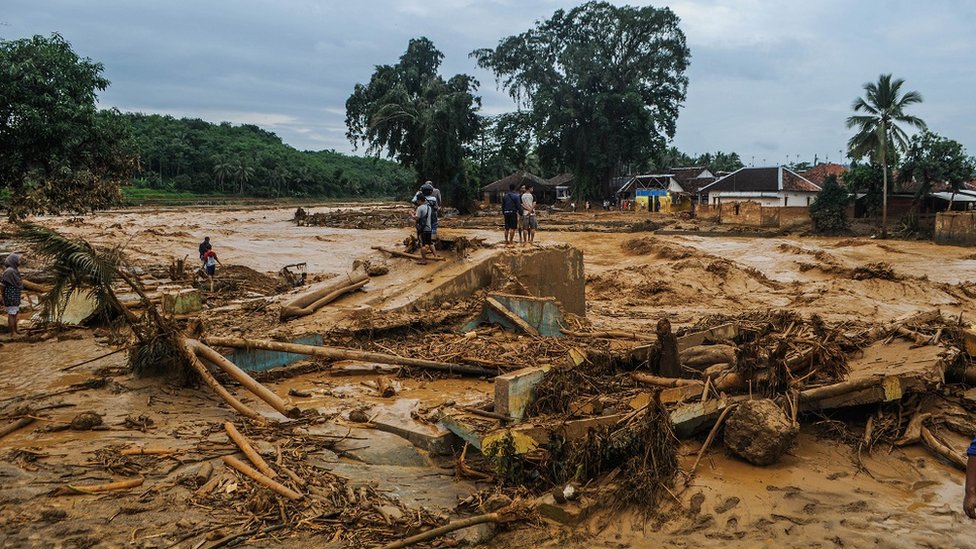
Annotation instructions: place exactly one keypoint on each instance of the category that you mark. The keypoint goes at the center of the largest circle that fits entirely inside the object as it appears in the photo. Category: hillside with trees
(201, 157)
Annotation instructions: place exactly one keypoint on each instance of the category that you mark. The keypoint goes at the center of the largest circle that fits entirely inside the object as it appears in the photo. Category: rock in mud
(85, 421)
(759, 432)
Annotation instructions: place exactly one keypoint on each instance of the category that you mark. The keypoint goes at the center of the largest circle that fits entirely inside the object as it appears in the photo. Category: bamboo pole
(312, 301)
(339, 353)
(659, 381)
(212, 382)
(248, 450)
(710, 438)
(148, 451)
(71, 489)
(261, 479)
(241, 377)
(610, 334)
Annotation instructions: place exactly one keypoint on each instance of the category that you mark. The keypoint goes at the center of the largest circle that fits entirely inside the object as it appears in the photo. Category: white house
(770, 187)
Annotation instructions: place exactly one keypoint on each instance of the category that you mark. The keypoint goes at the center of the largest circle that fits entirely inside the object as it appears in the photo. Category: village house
(770, 187)
(543, 192)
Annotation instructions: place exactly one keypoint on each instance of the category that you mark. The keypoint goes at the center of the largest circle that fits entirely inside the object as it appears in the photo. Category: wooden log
(446, 529)
(339, 353)
(659, 381)
(19, 424)
(203, 473)
(311, 302)
(610, 334)
(913, 433)
(261, 479)
(405, 255)
(700, 357)
(72, 489)
(842, 388)
(515, 319)
(249, 451)
(223, 393)
(942, 450)
(245, 380)
(35, 287)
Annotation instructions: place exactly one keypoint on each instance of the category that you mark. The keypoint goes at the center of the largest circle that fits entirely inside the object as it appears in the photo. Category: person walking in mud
(423, 217)
(511, 208)
(11, 286)
(210, 262)
(205, 246)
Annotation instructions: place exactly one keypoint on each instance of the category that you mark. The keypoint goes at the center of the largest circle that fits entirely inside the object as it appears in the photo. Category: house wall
(798, 215)
(755, 214)
(955, 228)
(769, 200)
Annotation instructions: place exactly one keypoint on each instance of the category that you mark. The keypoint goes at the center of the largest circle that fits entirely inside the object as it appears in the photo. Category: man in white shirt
(529, 220)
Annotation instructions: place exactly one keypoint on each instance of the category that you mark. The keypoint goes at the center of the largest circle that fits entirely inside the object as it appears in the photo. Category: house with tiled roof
(544, 192)
(819, 173)
(769, 187)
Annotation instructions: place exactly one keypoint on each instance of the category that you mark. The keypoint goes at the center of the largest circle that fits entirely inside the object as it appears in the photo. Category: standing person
(433, 197)
(423, 217)
(529, 220)
(521, 218)
(205, 246)
(511, 207)
(11, 286)
(210, 262)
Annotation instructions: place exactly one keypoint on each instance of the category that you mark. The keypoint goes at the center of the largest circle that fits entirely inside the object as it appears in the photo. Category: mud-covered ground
(823, 494)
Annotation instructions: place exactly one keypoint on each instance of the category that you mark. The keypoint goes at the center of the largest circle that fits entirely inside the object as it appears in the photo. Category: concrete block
(396, 419)
(514, 391)
(569, 513)
(182, 301)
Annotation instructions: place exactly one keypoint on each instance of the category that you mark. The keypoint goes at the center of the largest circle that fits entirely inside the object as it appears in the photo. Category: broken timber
(311, 302)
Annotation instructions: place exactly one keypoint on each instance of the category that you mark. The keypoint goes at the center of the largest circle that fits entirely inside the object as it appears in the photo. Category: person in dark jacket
(11, 286)
(205, 247)
(511, 210)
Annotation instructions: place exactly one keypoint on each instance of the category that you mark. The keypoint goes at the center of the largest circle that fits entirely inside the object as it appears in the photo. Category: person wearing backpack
(511, 210)
(423, 217)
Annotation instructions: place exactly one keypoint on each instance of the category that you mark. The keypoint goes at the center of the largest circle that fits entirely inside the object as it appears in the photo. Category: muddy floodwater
(826, 492)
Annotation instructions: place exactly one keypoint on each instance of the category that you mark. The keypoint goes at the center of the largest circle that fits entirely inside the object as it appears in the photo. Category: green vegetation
(601, 86)
(829, 211)
(878, 134)
(419, 118)
(191, 155)
(934, 159)
(59, 152)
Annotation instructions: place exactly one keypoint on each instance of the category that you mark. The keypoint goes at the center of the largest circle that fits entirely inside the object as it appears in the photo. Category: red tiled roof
(819, 173)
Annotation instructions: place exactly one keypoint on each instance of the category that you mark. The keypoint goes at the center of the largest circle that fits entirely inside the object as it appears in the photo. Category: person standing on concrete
(511, 208)
(11, 286)
(423, 218)
(210, 262)
(433, 196)
(529, 220)
(205, 246)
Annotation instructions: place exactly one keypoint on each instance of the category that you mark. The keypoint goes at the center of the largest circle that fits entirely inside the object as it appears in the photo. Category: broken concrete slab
(719, 333)
(181, 301)
(397, 418)
(568, 513)
(533, 315)
(259, 360)
(412, 486)
(514, 391)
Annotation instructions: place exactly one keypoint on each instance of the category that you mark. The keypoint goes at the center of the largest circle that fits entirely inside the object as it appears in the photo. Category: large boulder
(759, 432)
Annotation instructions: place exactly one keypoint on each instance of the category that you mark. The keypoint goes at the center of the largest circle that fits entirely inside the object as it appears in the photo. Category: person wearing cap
(433, 197)
(423, 217)
(11, 286)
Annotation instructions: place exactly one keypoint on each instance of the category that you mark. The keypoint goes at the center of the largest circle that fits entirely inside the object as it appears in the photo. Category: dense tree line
(199, 156)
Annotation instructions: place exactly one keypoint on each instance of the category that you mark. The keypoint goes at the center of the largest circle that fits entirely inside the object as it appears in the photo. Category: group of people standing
(518, 209)
(428, 202)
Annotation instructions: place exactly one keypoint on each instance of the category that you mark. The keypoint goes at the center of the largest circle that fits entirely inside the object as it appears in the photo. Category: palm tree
(243, 174)
(878, 133)
(222, 170)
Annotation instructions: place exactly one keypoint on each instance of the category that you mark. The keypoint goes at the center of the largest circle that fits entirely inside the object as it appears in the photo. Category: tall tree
(934, 159)
(879, 135)
(416, 116)
(58, 152)
(603, 85)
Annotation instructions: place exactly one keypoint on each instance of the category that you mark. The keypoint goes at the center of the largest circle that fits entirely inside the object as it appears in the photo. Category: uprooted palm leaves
(79, 267)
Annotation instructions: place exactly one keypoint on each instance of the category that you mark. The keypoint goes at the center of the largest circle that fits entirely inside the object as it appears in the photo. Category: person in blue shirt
(969, 500)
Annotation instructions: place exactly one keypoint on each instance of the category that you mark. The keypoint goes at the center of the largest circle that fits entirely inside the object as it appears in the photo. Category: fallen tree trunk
(248, 450)
(339, 353)
(261, 479)
(223, 393)
(446, 529)
(610, 334)
(241, 377)
(659, 381)
(405, 255)
(311, 302)
(842, 388)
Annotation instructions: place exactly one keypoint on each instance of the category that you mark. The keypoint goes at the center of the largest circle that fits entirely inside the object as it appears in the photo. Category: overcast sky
(771, 80)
